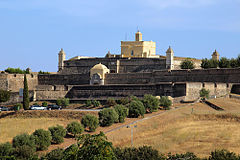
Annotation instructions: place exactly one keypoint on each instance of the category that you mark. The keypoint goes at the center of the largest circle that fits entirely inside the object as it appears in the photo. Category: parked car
(53, 106)
(4, 108)
(37, 107)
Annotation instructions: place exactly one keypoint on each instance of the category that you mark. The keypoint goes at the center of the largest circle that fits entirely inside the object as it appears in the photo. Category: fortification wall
(63, 79)
(14, 82)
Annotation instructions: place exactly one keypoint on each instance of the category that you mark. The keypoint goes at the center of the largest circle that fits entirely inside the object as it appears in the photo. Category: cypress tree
(25, 94)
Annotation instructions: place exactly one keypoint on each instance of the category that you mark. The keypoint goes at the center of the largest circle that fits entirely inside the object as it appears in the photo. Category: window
(132, 53)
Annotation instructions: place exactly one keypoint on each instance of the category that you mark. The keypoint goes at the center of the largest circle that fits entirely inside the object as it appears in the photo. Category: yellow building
(138, 48)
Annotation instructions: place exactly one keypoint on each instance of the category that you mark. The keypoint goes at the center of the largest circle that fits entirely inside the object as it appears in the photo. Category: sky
(32, 32)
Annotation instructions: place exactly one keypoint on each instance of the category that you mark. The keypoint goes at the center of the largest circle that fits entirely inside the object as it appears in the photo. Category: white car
(38, 108)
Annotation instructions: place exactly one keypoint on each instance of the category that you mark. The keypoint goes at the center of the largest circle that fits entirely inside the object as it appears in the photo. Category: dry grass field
(195, 128)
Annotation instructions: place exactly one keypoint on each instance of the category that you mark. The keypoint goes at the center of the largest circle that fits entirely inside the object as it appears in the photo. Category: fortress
(138, 70)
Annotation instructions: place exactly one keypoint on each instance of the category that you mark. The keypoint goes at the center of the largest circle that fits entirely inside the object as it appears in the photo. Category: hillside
(195, 128)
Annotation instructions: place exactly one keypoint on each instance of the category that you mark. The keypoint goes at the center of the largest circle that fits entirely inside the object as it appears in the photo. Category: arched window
(132, 53)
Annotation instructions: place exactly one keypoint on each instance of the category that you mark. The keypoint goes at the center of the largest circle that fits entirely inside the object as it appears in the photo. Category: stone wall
(14, 82)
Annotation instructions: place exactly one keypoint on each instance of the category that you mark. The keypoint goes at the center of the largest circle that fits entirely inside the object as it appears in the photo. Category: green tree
(24, 145)
(18, 106)
(124, 101)
(88, 103)
(75, 128)
(205, 63)
(111, 102)
(64, 102)
(187, 64)
(95, 147)
(4, 95)
(136, 109)
(107, 117)
(188, 155)
(6, 149)
(214, 63)
(233, 63)
(58, 133)
(165, 102)
(25, 94)
(224, 63)
(96, 103)
(90, 121)
(56, 154)
(204, 93)
(71, 153)
(223, 155)
(150, 103)
(44, 104)
(122, 112)
(43, 139)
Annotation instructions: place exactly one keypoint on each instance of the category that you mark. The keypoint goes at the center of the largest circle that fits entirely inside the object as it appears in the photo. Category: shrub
(6, 149)
(204, 93)
(136, 109)
(63, 102)
(42, 139)
(42, 72)
(122, 112)
(187, 155)
(44, 104)
(224, 63)
(111, 102)
(165, 102)
(4, 95)
(96, 103)
(25, 145)
(150, 103)
(18, 106)
(90, 121)
(223, 155)
(233, 63)
(16, 71)
(124, 101)
(133, 98)
(214, 63)
(93, 147)
(75, 128)
(88, 103)
(56, 154)
(205, 63)
(70, 153)
(107, 117)
(58, 133)
(187, 64)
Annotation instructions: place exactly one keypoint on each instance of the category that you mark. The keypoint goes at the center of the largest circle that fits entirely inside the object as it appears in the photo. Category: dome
(100, 66)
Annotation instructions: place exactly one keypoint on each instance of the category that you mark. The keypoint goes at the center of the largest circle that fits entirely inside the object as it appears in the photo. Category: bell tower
(61, 59)
(138, 36)
(170, 58)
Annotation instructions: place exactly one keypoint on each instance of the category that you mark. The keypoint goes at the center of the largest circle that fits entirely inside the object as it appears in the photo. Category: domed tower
(138, 36)
(169, 58)
(215, 55)
(61, 59)
(97, 74)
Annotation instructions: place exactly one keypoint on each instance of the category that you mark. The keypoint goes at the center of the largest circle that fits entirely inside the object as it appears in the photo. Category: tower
(169, 58)
(138, 36)
(215, 55)
(61, 59)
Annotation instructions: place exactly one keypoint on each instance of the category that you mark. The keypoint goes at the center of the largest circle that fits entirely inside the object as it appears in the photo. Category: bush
(58, 133)
(18, 106)
(107, 117)
(43, 139)
(224, 63)
(150, 103)
(25, 145)
(64, 102)
(122, 112)
(70, 153)
(144, 152)
(42, 72)
(204, 93)
(233, 63)
(44, 104)
(88, 103)
(111, 102)
(187, 155)
(209, 63)
(16, 71)
(90, 121)
(6, 149)
(4, 95)
(187, 64)
(165, 102)
(96, 103)
(136, 109)
(75, 128)
(124, 101)
(56, 154)
(223, 155)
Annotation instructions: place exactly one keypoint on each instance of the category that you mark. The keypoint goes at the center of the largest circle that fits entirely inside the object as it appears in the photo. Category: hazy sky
(33, 31)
